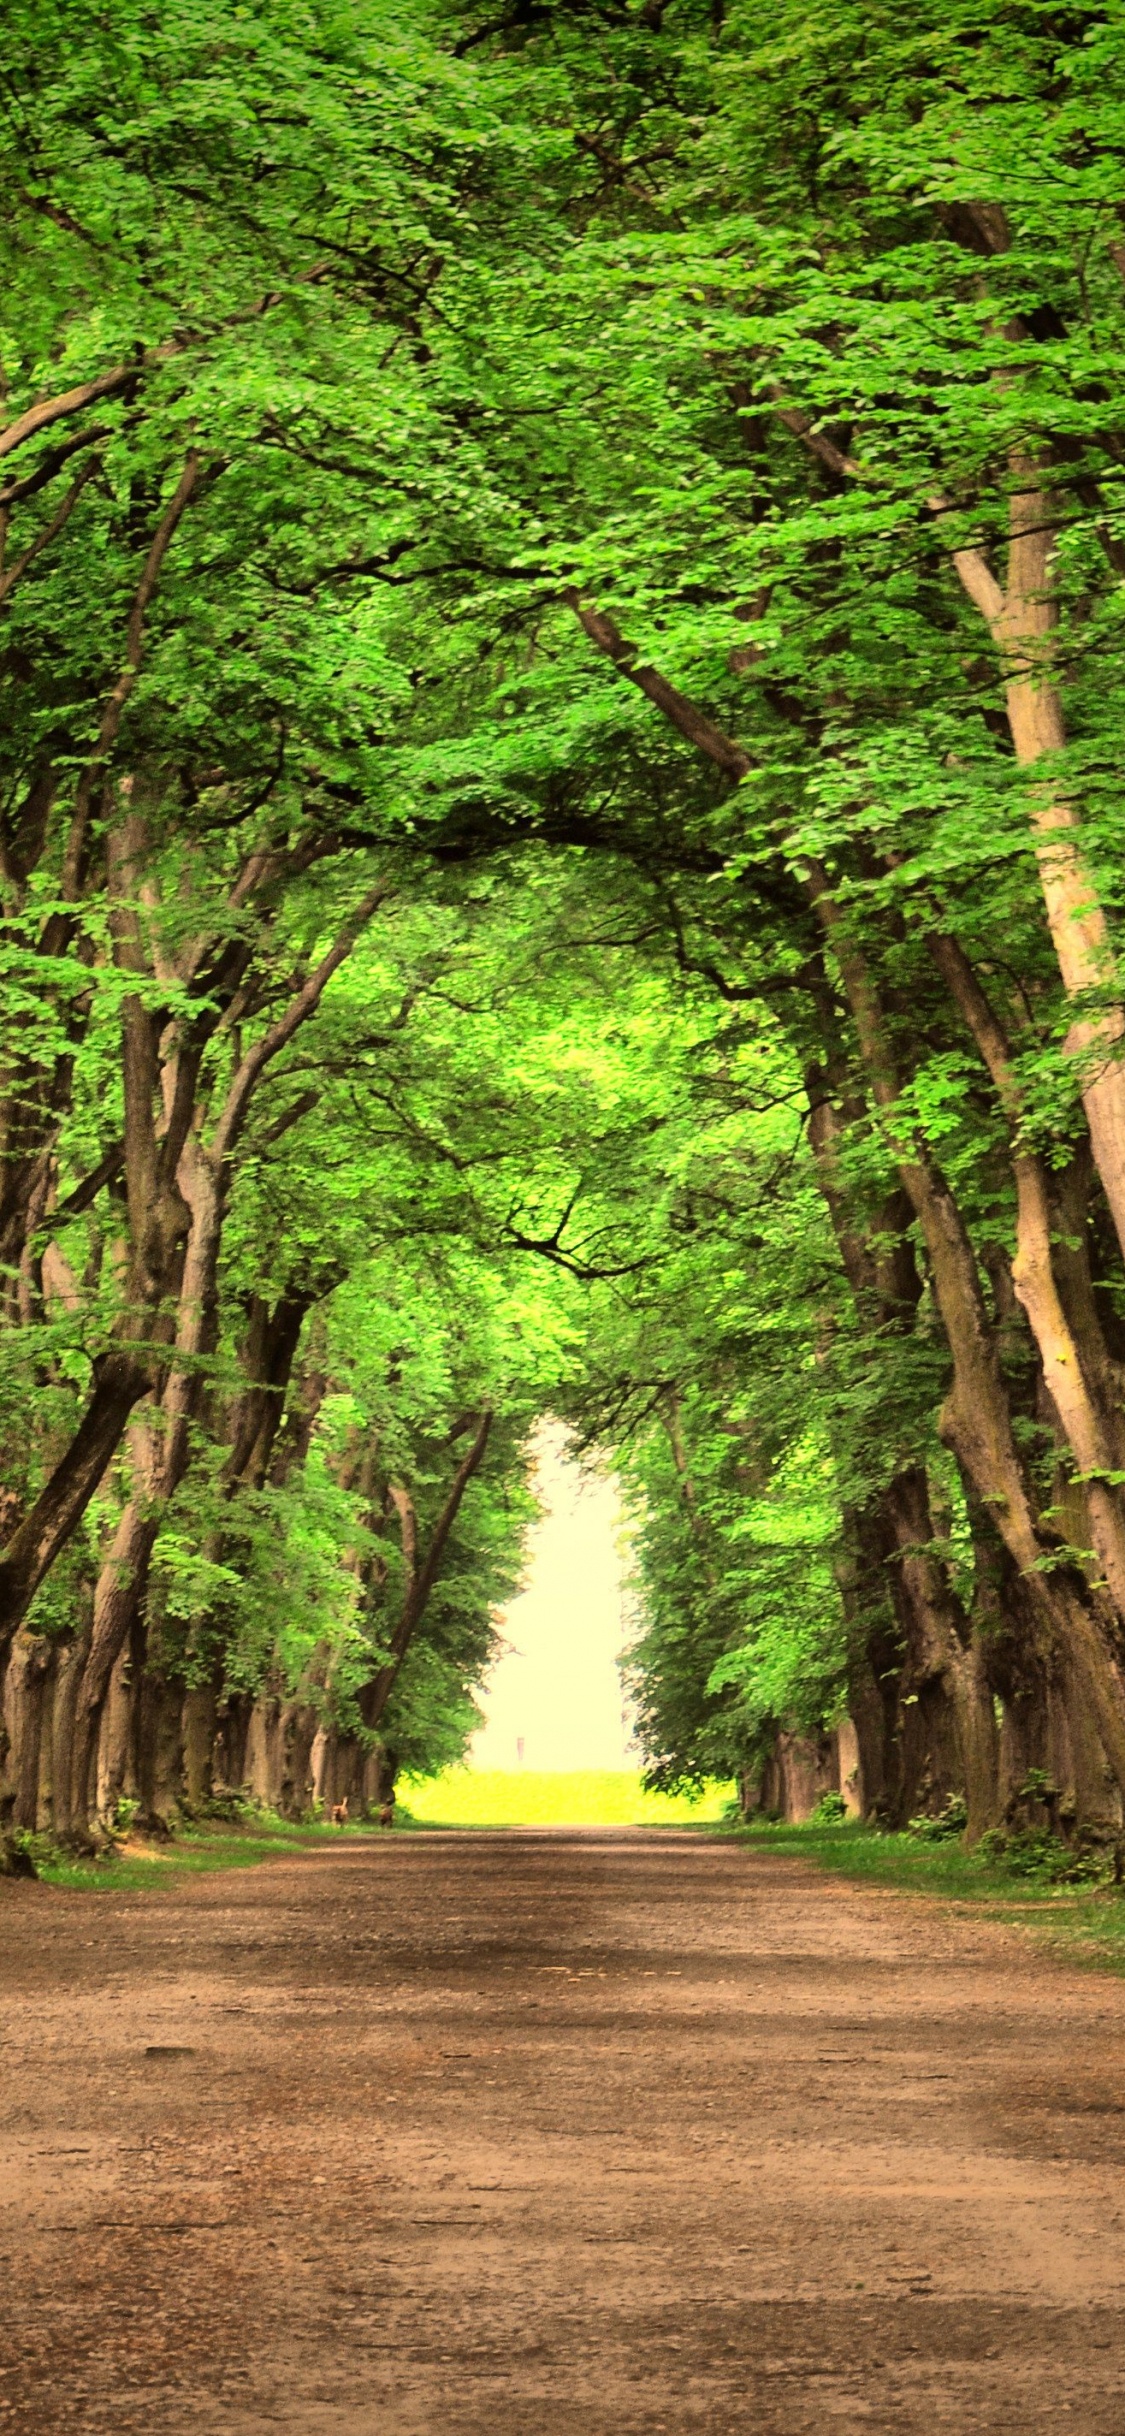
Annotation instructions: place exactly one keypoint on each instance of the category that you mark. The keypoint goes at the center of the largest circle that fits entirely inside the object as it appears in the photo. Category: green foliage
(1037, 1854)
(694, 325)
(951, 1820)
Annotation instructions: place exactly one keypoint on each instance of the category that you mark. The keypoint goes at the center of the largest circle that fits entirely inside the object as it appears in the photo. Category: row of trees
(561, 849)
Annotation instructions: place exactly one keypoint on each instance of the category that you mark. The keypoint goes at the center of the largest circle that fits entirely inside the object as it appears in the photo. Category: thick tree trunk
(199, 1722)
(796, 1771)
(68, 1684)
(377, 1782)
(30, 1552)
(1086, 1799)
(231, 1740)
(934, 1633)
(338, 1769)
(874, 1662)
(848, 1767)
(298, 1726)
(1075, 1367)
(976, 1422)
(264, 1751)
(901, 1690)
(978, 1742)
(116, 1776)
(149, 1817)
(160, 1750)
(26, 1687)
(322, 1767)
(1023, 620)
(119, 1589)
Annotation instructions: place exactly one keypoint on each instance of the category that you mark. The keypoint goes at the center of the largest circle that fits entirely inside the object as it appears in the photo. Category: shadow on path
(549, 2132)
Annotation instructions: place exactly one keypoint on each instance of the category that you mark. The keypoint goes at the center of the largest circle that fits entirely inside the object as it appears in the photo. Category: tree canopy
(562, 683)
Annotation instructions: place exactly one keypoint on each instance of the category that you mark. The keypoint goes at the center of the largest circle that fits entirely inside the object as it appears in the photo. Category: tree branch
(108, 1168)
(683, 714)
(817, 442)
(47, 533)
(115, 705)
(971, 565)
(51, 464)
(296, 1013)
(421, 1578)
(70, 401)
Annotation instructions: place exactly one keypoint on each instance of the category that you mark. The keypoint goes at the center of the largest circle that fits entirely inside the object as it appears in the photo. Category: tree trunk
(264, 1751)
(160, 1750)
(68, 1684)
(978, 1742)
(25, 1692)
(119, 1588)
(848, 1767)
(377, 1780)
(939, 1693)
(231, 1740)
(116, 1742)
(976, 1421)
(30, 1552)
(421, 1573)
(874, 1662)
(299, 1722)
(199, 1715)
(149, 1816)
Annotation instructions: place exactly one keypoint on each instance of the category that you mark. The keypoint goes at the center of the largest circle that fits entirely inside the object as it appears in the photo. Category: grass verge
(1087, 1921)
(194, 1849)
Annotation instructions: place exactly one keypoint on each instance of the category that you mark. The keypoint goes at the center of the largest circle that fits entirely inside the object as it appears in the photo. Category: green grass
(1086, 1921)
(467, 1797)
(192, 1851)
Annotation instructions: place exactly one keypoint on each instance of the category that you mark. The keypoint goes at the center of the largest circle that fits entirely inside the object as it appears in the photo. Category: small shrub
(829, 1811)
(17, 1855)
(231, 1803)
(1033, 1852)
(1038, 1786)
(950, 1821)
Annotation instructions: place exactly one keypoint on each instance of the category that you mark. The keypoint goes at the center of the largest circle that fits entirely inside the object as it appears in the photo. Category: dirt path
(527, 2135)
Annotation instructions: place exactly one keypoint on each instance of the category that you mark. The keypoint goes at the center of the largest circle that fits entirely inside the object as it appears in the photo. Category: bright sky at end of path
(555, 1689)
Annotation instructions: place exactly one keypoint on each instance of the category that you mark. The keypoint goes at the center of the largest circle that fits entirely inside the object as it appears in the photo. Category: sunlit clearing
(525, 1797)
(554, 1697)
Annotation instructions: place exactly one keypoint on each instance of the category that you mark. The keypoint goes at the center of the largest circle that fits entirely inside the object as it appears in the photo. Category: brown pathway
(528, 2135)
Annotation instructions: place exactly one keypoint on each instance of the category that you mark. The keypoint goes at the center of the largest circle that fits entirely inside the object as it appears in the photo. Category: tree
(608, 488)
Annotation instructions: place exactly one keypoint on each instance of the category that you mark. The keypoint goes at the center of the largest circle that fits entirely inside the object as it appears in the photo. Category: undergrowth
(195, 1846)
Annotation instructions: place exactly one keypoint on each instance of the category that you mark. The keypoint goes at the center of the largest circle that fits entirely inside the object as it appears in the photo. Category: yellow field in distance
(488, 1797)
